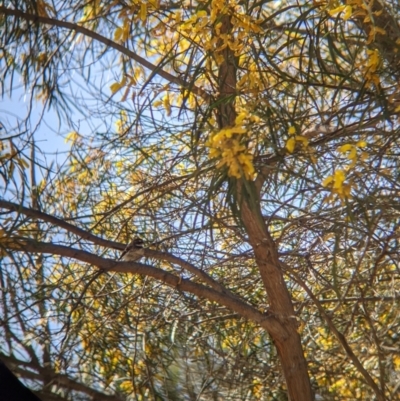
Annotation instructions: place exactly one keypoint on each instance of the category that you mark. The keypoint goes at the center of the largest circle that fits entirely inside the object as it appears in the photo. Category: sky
(14, 109)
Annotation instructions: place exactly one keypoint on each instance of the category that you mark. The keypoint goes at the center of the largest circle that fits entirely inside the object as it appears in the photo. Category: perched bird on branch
(134, 251)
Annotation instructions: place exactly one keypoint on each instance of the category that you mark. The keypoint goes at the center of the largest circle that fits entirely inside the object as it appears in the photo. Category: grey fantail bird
(133, 251)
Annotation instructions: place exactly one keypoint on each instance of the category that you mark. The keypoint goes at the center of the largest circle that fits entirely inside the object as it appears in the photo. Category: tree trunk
(288, 341)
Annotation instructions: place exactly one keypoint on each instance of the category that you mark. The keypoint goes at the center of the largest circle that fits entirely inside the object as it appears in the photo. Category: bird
(133, 251)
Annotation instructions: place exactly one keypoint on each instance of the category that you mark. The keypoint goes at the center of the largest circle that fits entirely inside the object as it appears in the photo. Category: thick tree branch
(266, 254)
(267, 321)
(111, 244)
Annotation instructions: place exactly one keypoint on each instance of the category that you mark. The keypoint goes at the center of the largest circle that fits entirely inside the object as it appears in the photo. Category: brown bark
(223, 297)
(287, 339)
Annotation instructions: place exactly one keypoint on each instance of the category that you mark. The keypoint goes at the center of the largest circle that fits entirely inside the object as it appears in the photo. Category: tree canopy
(254, 146)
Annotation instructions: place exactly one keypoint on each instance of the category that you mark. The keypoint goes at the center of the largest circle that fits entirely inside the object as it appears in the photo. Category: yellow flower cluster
(206, 26)
(338, 186)
(292, 141)
(338, 10)
(226, 146)
(365, 11)
(337, 180)
(371, 67)
(353, 152)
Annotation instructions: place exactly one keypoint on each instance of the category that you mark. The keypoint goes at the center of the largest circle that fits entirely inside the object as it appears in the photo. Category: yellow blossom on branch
(338, 186)
(226, 146)
(352, 151)
(346, 9)
(294, 139)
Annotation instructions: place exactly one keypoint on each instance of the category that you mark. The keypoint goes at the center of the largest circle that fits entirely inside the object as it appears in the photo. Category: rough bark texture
(287, 339)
